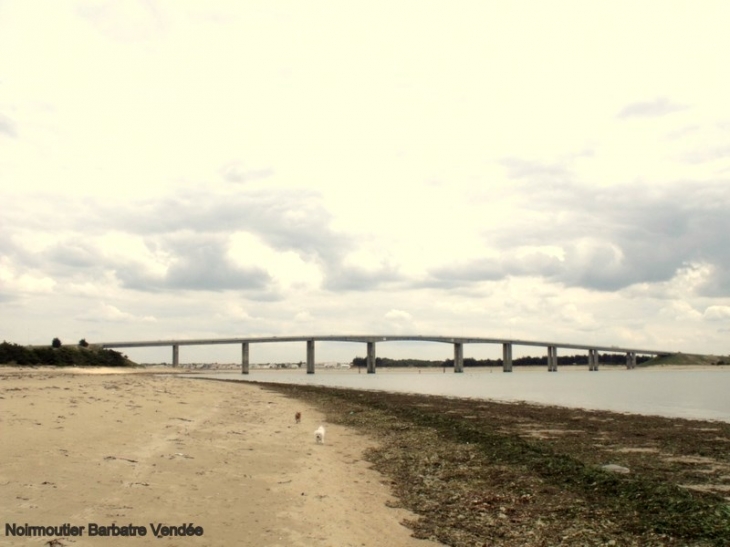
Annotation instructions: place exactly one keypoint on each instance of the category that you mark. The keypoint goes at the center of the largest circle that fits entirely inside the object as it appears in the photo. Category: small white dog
(319, 435)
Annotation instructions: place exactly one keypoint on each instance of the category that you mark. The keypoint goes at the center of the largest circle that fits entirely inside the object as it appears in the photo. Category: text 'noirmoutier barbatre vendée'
(92, 529)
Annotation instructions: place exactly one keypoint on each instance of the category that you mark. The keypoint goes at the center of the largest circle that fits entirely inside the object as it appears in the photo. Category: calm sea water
(699, 394)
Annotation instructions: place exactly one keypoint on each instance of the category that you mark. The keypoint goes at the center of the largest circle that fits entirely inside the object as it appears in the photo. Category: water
(692, 394)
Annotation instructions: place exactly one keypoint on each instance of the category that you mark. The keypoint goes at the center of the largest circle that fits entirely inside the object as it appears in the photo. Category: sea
(691, 394)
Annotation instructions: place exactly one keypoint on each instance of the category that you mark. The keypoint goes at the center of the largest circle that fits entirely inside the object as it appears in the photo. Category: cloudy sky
(530, 170)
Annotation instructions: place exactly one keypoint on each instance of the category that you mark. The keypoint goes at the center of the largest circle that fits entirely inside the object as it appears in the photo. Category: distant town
(259, 366)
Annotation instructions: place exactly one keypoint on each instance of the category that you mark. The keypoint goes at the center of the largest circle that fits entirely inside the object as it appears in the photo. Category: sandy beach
(101, 449)
(102, 456)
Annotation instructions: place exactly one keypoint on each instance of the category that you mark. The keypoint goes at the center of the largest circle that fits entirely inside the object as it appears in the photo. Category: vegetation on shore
(563, 360)
(689, 359)
(59, 355)
(485, 473)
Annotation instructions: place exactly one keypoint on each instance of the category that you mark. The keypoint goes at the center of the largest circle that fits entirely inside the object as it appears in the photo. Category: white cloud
(109, 313)
(16, 283)
(581, 318)
(717, 313)
(686, 283)
(398, 315)
(29, 283)
(288, 268)
(681, 311)
(235, 311)
(303, 317)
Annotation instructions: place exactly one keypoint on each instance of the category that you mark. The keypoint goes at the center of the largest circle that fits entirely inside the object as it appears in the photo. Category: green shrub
(60, 356)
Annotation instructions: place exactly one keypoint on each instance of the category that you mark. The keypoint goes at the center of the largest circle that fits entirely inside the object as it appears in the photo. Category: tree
(56, 343)
(83, 343)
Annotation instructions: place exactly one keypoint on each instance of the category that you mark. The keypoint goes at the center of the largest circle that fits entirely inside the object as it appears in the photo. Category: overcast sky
(530, 170)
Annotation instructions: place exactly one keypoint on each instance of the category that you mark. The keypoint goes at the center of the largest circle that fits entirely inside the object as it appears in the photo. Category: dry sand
(143, 449)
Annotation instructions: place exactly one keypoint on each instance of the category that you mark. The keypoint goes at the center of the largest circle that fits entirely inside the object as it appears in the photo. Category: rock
(613, 468)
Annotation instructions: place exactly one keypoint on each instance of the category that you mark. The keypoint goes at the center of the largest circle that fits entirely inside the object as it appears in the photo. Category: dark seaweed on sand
(500, 474)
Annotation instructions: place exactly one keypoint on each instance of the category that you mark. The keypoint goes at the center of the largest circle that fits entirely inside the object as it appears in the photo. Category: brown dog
(298, 417)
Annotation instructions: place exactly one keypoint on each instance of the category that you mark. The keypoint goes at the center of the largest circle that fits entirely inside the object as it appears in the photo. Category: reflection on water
(698, 394)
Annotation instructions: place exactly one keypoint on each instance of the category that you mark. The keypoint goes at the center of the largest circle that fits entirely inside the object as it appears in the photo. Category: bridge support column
(458, 357)
(630, 360)
(593, 360)
(175, 355)
(552, 359)
(310, 356)
(507, 357)
(244, 358)
(371, 357)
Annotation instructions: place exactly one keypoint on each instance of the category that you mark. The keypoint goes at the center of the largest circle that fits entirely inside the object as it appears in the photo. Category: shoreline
(188, 368)
(697, 394)
(673, 391)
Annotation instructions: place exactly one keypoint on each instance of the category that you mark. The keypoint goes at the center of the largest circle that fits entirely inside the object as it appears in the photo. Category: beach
(114, 451)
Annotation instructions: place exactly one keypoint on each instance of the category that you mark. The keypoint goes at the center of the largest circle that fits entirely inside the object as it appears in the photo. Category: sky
(527, 170)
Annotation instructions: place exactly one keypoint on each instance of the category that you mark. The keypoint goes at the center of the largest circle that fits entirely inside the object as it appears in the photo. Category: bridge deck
(376, 339)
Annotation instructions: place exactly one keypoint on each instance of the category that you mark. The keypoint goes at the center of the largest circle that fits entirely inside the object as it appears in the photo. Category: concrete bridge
(457, 342)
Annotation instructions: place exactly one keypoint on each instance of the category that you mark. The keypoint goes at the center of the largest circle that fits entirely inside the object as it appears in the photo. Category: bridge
(371, 340)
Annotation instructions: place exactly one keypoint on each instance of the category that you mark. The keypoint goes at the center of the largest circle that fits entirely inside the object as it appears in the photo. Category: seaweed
(479, 472)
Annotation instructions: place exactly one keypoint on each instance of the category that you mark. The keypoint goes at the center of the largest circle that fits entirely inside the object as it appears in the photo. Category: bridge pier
(371, 357)
(593, 360)
(507, 357)
(631, 360)
(310, 356)
(175, 355)
(552, 359)
(458, 357)
(244, 358)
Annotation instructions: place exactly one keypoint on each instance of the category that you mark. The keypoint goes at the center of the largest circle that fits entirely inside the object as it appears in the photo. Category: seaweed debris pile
(500, 474)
